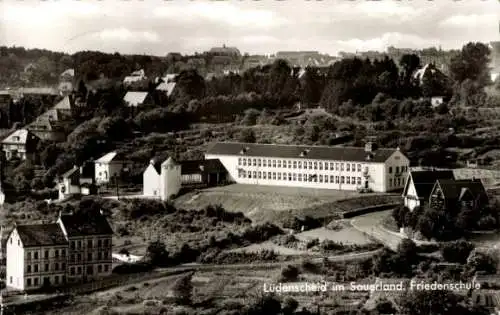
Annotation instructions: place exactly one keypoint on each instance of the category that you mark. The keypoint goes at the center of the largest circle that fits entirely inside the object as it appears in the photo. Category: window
(90, 270)
(284, 164)
(353, 167)
(331, 179)
(99, 256)
(79, 244)
(254, 162)
(326, 166)
(359, 180)
(72, 271)
(320, 166)
(106, 242)
(35, 282)
(28, 282)
(239, 161)
(72, 257)
(63, 266)
(89, 256)
(269, 175)
(390, 182)
(274, 163)
(56, 266)
(336, 166)
(294, 164)
(299, 177)
(348, 179)
(264, 175)
(254, 174)
(310, 165)
(353, 180)
(279, 176)
(56, 253)
(315, 165)
(89, 244)
(341, 166)
(18, 242)
(348, 167)
(72, 244)
(390, 169)
(106, 268)
(342, 179)
(244, 162)
(264, 163)
(332, 166)
(320, 178)
(259, 162)
(397, 169)
(300, 164)
(11, 276)
(46, 267)
(289, 164)
(36, 267)
(63, 279)
(79, 270)
(249, 174)
(305, 178)
(28, 269)
(336, 179)
(326, 178)
(56, 279)
(294, 177)
(305, 165)
(79, 257)
(11, 240)
(28, 256)
(35, 255)
(290, 176)
(359, 167)
(274, 175)
(279, 163)
(46, 254)
(399, 181)
(99, 269)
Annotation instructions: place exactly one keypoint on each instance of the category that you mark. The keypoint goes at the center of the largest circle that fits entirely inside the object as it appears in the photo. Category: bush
(289, 274)
(312, 243)
(457, 252)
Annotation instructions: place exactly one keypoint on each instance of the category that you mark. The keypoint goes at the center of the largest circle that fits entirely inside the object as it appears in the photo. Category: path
(370, 224)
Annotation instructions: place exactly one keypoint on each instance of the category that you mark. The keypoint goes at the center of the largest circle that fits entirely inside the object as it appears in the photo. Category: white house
(77, 181)
(151, 179)
(437, 100)
(419, 185)
(109, 166)
(19, 144)
(136, 76)
(36, 256)
(327, 167)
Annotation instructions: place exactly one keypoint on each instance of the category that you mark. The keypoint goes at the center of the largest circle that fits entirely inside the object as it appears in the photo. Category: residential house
(136, 99)
(50, 115)
(136, 76)
(111, 165)
(449, 193)
(225, 51)
(20, 144)
(162, 181)
(202, 173)
(151, 179)
(437, 100)
(419, 185)
(36, 257)
(167, 84)
(65, 105)
(90, 245)
(66, 81)
(327, 167)
(77, 181)
(47, 130)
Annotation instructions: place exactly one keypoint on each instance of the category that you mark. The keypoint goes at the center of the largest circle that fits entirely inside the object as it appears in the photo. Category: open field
(272, 203)
(347, 235)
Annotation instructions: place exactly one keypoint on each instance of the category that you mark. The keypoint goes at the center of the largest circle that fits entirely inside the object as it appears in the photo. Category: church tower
(170, 179)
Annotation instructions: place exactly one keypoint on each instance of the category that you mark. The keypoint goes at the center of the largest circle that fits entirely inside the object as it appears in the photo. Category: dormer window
(16, 138)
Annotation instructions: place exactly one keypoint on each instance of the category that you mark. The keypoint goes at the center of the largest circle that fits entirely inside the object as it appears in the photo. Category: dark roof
(454, 189)
(424, 181)
(295, 152)
(41, 235)
(81, 224)
(197, 166)
(87, 170)
(71, 172)
(157, 165)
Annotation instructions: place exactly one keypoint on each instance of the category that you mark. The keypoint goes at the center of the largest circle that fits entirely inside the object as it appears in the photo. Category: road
(371, 224)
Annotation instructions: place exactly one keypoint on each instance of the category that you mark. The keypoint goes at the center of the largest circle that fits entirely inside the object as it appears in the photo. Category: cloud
(470, 21)
(221, 12)
(124, 34)
(388, 39)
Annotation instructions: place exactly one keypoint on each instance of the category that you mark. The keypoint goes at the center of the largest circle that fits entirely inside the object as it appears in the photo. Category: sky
(157, 27)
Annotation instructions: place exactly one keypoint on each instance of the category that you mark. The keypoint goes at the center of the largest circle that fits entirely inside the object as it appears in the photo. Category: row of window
(55, 267)
(307, 165)
(90, 243)
(90, 270)
(393, 183)
(299, 177)
(90, 256)
(33, 255)
(34, 282)
(403, 169)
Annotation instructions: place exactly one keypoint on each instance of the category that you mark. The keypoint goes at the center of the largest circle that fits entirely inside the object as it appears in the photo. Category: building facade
(89, 246)
(110, 166)
(419, 184)
(341, 168)
(36, 257)
(20, 144)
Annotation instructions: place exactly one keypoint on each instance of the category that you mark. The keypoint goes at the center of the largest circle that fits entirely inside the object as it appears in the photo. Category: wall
(397, 159)
(15, 262)
(411, 203)
(151, 182)
(170, 182)
(105, 171)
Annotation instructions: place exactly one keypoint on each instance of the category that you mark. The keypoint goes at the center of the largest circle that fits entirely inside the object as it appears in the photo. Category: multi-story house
(419, 185)
(328, 167)
(36, 256)
(89, 251)
(110, 166)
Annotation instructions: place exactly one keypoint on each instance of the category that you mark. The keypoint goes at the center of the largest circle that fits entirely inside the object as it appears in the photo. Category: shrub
(183, 289)
(312, 243)
(457, 252)
(289, 273)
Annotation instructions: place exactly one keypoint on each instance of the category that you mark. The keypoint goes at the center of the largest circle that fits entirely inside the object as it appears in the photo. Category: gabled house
(151, 179)
(111, 165)
(451, 193)
(136, 76)
(77, 181)
(136, 99)
(90, 240)
(209, 172)
(20, 144)
(50, 115)
(36, 256)
(167, 84)
(47, 130)
(419, 185)
(65, 105)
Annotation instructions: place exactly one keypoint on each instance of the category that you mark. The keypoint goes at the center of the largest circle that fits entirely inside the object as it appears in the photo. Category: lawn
(347, 235)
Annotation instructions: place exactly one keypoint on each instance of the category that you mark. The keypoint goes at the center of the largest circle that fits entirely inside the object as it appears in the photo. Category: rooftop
(41, 235)
(83, 224)
(111, 156)
(357, 154)
(20, 136)
(424, 181)
(135, 98)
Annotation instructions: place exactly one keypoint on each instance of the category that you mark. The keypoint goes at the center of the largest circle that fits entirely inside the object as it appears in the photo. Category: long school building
(325, 167)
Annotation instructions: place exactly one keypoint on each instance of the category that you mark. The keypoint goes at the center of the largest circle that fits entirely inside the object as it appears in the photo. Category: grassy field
(272, 203)
(222, 289)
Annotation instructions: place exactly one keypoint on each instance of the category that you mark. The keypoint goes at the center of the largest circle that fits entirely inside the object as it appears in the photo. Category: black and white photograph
(174, 157)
